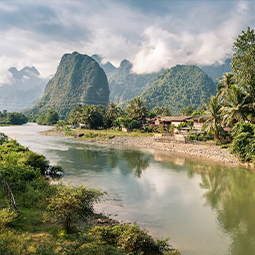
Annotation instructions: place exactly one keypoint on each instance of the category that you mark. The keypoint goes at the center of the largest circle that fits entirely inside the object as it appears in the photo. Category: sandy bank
(199, 150)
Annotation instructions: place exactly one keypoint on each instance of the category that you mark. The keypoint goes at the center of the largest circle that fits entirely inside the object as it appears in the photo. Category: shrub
(91, 135)
(243, 144)
(3, 138)
(160, 129)
(69, 204)
(131, 239)
(134, 125)
(69, 133)
(66, 128)
(6, 216)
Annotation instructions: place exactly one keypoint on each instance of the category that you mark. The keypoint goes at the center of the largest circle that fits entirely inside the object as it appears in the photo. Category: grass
(110, 132)
(96, 135)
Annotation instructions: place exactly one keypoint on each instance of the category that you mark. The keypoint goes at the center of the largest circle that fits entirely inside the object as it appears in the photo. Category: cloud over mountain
(151, 34)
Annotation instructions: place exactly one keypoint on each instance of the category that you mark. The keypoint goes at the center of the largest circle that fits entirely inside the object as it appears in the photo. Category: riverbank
(212, 152)
(205, 151)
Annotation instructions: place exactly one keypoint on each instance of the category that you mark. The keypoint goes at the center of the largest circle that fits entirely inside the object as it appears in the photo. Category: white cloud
(154, 35)
(5, 75)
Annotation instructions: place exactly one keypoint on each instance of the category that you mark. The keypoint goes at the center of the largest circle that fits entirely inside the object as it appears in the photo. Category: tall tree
(213, 123)
(136, 109)
(243, 61)
(75, 115)
(243, 65)
(113, 112)
(235, 105)
(187, 111)
(163, 111)
(225, 84)
(89, 116)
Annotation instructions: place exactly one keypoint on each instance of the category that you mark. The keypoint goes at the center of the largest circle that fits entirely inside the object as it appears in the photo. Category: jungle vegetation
(12, 118)
(179, 87)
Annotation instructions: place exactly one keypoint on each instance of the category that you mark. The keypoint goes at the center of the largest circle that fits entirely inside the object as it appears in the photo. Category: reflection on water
(205, 207)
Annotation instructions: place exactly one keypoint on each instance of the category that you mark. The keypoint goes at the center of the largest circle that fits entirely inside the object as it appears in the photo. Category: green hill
(125, 85)
(79, 79)
(179, 87)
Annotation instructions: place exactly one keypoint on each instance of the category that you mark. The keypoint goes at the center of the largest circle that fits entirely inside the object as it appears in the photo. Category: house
(166, 121)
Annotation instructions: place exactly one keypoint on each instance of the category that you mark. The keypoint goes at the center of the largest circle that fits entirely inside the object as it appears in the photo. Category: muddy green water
(203, 206)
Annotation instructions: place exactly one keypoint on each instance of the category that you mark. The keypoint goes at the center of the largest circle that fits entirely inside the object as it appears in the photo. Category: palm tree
(113, 112)
(75, 115)
(136, 109)
(224, 85)
(213, 110)
(236, 105)
(89, 115)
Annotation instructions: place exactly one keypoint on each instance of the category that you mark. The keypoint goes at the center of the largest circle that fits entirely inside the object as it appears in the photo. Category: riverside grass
(94, 135)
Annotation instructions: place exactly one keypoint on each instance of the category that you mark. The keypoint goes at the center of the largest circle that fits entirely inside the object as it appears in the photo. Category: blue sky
(152, 34)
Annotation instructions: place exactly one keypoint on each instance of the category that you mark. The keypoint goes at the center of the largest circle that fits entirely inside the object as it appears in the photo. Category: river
(206, 208)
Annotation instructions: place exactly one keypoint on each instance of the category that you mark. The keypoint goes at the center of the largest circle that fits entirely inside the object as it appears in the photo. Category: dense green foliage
(243, 61)
(178, 87)
(136, 109)
(214, 120)
(79, 79)
(163, 111)
(125, 85)
(90, 115)
(51, 118)
(12, 118)
(243, 144)
(187, 111)
(132, 240)
(70, 204)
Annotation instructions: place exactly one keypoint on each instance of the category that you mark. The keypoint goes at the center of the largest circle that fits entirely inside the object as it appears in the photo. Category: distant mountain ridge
(26, 87)
(79, 79)
(125, 85)
(107, 67)
(179, 87)
(216, 71)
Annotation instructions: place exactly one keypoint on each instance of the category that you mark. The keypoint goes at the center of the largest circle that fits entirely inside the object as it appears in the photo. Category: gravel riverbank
(205, 151)
(199, 150)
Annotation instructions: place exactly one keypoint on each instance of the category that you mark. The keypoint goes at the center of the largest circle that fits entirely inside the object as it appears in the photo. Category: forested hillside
(125, 85)
(79, 79)
(179, 87)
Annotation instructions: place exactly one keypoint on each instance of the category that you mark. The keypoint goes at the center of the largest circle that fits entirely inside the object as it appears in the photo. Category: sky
(152, 34)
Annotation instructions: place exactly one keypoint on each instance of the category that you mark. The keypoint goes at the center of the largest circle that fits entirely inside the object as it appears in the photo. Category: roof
(174, 118)
(197, 117)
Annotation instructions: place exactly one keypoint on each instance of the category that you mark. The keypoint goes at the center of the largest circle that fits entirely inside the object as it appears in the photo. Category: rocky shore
(205, 151)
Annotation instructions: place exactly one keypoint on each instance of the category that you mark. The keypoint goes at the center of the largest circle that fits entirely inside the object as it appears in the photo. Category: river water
(206, 208)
